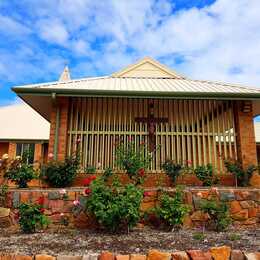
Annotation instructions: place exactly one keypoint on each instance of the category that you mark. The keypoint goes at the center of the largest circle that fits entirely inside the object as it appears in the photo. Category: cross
(151, 121)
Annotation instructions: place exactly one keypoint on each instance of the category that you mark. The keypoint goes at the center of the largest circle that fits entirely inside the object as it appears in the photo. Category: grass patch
(234, 237)
(198, 236)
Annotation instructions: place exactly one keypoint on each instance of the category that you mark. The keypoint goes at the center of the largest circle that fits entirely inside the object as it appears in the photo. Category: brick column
(62, 107)
(246, 144)
(12, 150)
(38, 153)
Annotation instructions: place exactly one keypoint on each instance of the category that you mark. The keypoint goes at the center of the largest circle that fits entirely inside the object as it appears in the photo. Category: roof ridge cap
(226, 84)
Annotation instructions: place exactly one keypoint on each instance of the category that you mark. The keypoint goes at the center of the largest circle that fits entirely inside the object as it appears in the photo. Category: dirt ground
(74, 242)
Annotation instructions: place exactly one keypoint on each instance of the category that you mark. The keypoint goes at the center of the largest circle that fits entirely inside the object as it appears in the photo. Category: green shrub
(31, 217)
(205, 173)
(172, 210)
(242, 176)
(219, 218)
(107, 173)
(234, 237)
(90, 169)
(3, 194)
(20, 172)
(134, 160)
(172, 169)
(60, 174)
(114, 206)
(198, 236)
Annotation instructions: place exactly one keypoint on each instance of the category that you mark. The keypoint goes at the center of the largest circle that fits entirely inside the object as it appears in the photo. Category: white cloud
(53, 31)
(11, 27)
(219, 42)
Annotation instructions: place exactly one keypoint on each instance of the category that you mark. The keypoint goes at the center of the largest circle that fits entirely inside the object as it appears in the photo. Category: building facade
(23, 130)
(185, 120)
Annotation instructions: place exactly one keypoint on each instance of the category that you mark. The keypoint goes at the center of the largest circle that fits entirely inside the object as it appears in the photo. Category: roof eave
(140, 94)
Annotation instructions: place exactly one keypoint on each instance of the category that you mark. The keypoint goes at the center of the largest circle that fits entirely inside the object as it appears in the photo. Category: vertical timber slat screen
(196, 131)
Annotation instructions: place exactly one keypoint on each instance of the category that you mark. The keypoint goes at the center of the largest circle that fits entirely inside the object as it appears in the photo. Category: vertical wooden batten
(194, 130)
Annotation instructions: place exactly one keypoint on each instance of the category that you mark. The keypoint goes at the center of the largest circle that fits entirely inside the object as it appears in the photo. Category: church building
(186, 120)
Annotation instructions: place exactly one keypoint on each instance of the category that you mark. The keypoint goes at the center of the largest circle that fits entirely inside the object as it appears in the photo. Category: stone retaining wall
(244, 204)
(214, 253)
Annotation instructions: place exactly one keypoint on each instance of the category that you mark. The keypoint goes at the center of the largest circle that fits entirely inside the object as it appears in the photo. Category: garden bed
(70, 241)
(244, 203)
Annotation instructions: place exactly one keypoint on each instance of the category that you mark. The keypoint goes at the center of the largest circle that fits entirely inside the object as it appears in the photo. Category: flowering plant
(88, 180)
(61, 174)
(115, 206)
(20, 172)
(31, 216)
(63, 194)
(172, 169)
(133, 159)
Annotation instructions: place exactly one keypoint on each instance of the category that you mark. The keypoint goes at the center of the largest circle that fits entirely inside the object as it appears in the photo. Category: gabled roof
(146, 68)
(21, 122)
(146, 78)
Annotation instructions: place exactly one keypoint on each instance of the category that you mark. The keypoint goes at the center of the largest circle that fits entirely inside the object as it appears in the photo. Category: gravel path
(73, 242)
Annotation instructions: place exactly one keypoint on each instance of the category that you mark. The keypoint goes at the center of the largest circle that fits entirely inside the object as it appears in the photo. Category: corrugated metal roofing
(145, 85)
(146, 77)
(21, 122)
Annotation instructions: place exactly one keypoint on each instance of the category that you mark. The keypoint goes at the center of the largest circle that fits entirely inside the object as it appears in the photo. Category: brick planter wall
(216, 253)
(244, 204)
(151, 180)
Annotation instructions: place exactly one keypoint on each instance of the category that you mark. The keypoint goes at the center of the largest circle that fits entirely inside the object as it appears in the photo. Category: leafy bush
(206, 175)
(242, 176)
(31, 217)
(3, 194)
(172, 169)
(134, 160)
(90, 169)
(114, 206)
(219, 218)
(107, 173)
(61, 174)
(198, 236)
(20, 172)
(172, 210)
(234, 237)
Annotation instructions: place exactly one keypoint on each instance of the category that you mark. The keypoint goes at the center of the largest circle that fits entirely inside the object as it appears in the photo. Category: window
(25, 148)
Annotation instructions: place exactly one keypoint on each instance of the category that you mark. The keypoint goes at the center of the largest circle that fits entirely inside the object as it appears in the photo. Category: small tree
(133, 159)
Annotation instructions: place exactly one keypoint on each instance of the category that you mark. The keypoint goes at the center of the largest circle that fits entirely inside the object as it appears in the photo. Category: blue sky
(203, 39)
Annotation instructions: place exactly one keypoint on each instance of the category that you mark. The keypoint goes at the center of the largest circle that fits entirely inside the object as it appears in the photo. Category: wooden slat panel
(196, 130)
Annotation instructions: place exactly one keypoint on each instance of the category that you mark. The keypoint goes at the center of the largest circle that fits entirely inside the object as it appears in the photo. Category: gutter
(135, 94)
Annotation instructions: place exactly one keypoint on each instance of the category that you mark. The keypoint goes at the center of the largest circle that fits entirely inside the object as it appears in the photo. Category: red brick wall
(38, 152)
(12, 150)
(245, 135)
(63, 104)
